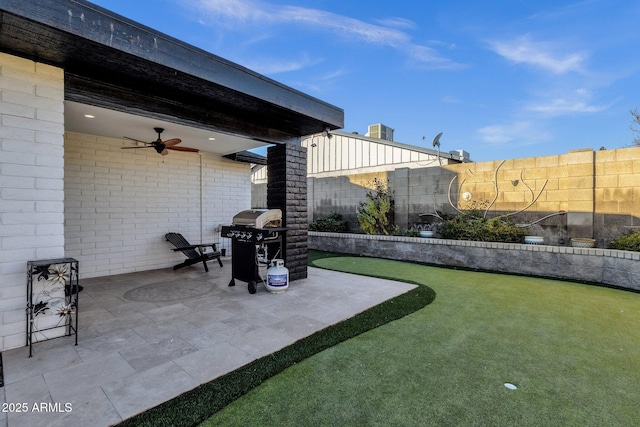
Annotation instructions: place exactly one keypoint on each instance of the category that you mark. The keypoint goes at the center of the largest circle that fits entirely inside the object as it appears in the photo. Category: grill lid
(259, 218)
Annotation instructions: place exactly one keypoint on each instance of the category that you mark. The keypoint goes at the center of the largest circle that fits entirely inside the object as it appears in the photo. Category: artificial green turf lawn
(572, 350)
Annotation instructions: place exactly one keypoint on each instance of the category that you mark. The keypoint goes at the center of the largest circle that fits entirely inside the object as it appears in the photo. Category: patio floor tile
(298, 326)
(107, 343)
(210, 363)
(147, 356)
(209, 335)
(147, 337)
(261, 341)
(75, 379)
(150, 388)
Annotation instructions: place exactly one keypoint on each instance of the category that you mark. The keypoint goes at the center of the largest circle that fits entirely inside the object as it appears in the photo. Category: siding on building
(349, 152)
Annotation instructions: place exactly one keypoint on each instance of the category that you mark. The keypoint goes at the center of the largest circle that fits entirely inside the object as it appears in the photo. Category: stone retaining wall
(604, 266)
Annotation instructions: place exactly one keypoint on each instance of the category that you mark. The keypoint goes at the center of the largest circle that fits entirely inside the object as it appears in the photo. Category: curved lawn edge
(195, 406)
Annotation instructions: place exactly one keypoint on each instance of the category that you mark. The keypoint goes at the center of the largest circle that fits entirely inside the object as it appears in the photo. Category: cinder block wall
(120, 203)
(617, 192)
(600, 191)
(542, 185)
(31, 182)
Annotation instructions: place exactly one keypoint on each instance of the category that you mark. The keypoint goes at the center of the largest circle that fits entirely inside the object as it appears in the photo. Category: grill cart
(256, 239)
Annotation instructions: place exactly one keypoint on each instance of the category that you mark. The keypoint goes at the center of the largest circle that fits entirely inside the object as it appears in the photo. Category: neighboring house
(76, 79)
(334, 153)
(337, 154)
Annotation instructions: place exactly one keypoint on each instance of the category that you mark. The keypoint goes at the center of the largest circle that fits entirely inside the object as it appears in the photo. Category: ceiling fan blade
(136, 140)
(164, 152)
(135, 148)
(170, 142)
(190, 150)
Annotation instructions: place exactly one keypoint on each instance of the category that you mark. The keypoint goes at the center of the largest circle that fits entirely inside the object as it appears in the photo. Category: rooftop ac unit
(463, 155)
(381, 131)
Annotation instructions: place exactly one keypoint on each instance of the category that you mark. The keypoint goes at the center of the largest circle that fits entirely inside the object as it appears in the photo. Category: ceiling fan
(161, 147)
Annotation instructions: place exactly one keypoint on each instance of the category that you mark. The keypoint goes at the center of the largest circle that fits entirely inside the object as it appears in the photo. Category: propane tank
(277, 277)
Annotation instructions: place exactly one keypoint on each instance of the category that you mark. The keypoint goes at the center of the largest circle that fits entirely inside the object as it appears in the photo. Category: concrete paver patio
(147, 337)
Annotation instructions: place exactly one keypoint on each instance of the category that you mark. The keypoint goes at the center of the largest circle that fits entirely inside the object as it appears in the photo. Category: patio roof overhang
(115, 63)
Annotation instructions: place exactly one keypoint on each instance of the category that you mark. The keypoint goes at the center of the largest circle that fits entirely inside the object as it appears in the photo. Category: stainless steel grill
(256, 238)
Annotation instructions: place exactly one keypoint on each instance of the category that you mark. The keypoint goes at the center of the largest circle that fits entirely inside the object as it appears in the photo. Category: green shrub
(331, 223)
(412, 232)
(376, 214)
(472, 226)
(630, 242)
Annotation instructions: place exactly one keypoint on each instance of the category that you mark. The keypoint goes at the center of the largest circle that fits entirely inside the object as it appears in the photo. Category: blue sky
(501, 79)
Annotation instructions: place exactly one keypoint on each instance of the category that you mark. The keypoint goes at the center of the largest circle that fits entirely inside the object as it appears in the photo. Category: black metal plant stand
(52, 300)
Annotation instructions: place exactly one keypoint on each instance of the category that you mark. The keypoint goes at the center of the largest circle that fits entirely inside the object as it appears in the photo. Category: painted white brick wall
(31, 181)
(120, 203)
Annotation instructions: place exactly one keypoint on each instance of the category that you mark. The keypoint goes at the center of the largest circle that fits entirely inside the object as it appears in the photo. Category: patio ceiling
(116, 124)
(148, 79)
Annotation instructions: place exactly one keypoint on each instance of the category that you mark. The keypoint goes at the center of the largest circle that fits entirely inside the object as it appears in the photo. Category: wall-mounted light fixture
(515, 182)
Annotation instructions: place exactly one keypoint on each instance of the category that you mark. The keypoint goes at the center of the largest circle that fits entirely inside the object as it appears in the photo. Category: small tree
(634, 130)
(376, 214)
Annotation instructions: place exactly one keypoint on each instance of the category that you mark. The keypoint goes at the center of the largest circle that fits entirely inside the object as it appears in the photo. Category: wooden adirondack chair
(194, 253)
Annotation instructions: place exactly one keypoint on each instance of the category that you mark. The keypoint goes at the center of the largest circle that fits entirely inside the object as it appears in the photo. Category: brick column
(287, 190)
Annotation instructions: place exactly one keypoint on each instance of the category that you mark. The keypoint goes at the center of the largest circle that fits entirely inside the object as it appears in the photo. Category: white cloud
(334, 74)
(539, 54)
(272, 66)
(397, 23)
(518, 133)
(578, 101)
(561, 106)
(237, 12)
(234, 13)
(424, 55)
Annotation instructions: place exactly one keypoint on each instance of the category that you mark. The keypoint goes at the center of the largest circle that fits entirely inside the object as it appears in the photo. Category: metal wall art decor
(52, 300)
